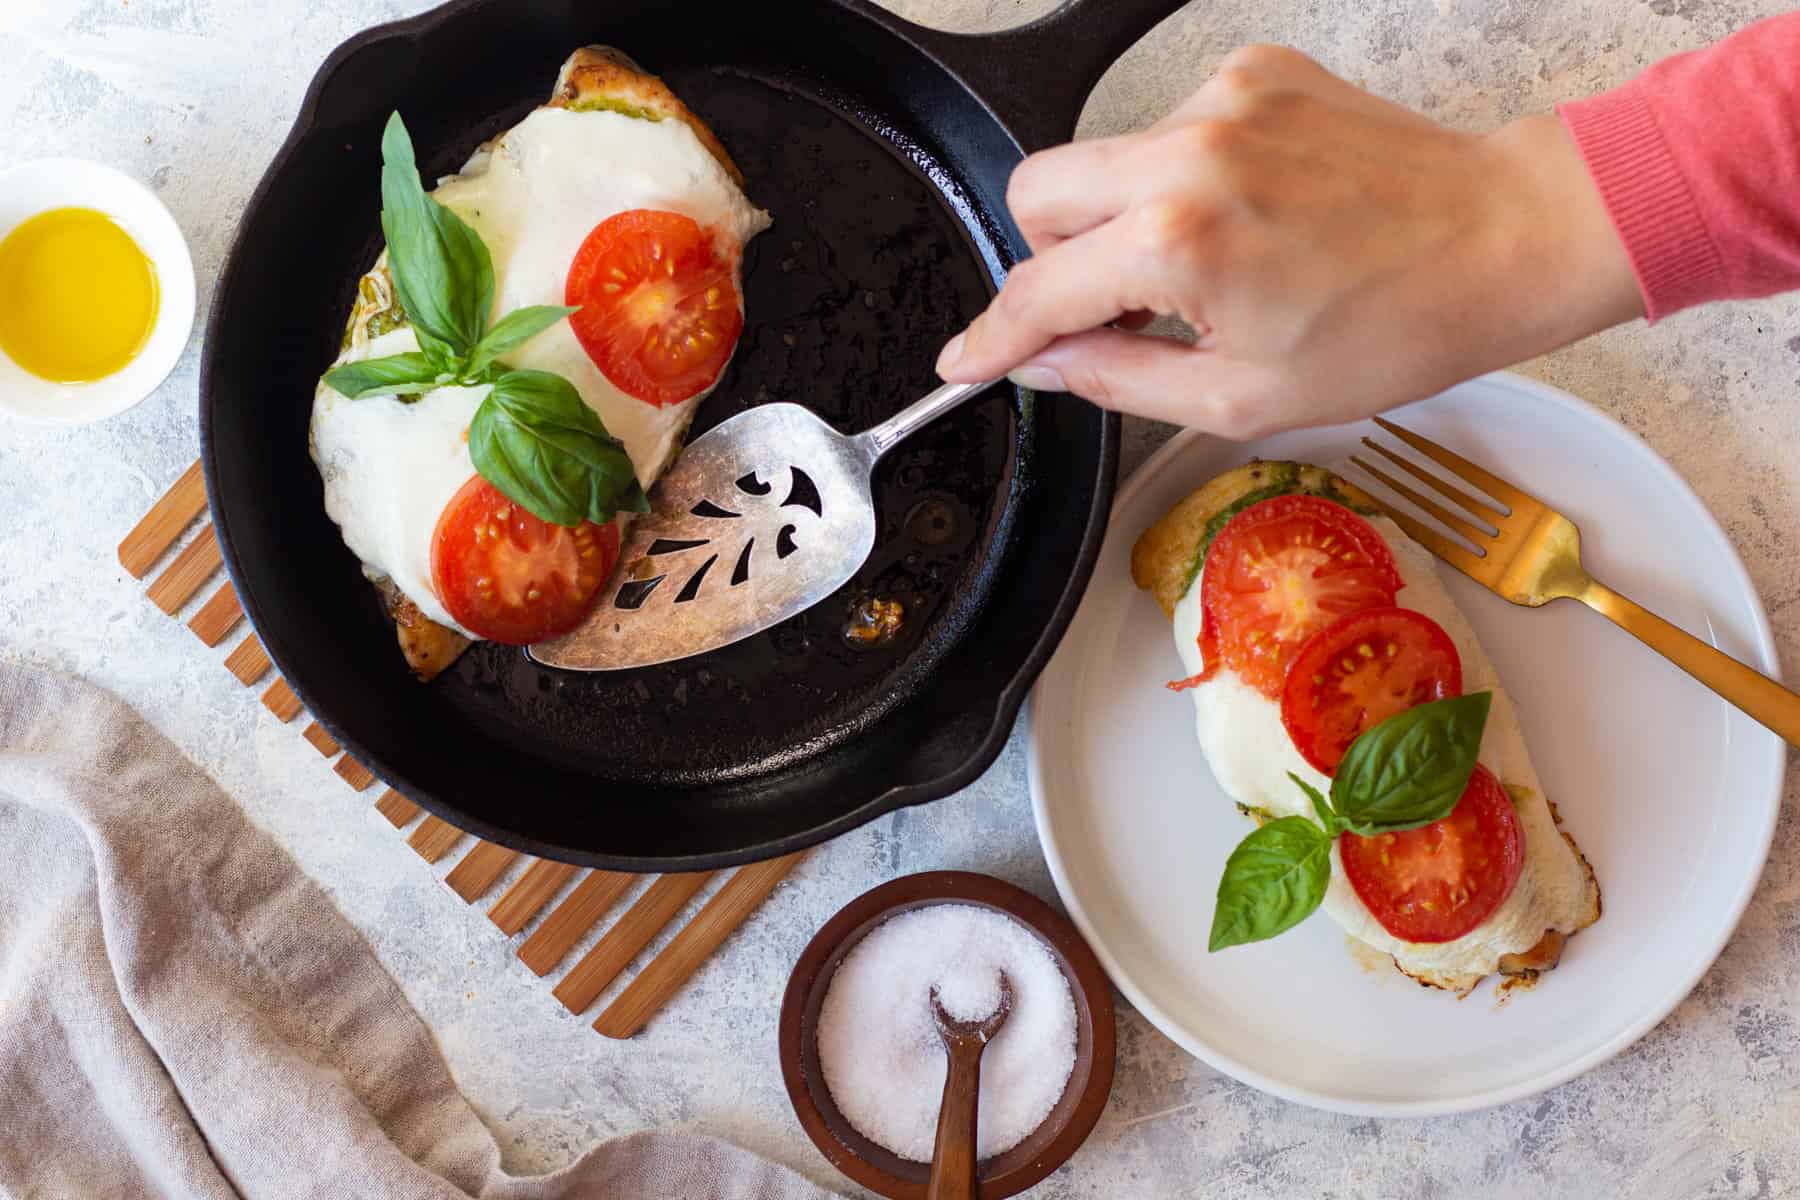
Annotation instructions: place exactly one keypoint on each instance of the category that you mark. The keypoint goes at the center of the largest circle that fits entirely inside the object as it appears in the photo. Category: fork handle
(1758, 695)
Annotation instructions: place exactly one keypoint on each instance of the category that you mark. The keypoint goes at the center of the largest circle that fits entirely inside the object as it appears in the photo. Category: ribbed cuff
(1672, 253)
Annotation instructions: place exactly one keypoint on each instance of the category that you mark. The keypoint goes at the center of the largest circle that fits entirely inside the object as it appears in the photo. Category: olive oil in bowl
(78, 297)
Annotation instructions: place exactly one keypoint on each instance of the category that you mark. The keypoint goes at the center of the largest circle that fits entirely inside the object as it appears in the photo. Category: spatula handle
(1758, 695)
(908, 420)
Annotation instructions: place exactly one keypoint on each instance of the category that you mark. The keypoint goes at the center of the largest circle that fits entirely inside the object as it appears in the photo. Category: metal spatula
(760, 518)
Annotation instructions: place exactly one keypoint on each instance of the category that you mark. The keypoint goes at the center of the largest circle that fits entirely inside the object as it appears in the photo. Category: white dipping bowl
(31, 188)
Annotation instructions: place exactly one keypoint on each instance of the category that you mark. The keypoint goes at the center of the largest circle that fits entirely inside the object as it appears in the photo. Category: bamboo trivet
(484, 864)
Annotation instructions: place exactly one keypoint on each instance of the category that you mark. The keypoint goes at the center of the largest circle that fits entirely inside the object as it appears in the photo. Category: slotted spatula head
(760, 518)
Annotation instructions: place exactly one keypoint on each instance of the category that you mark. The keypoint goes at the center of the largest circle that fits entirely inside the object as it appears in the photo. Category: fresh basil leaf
(520, 325)
(384, 376)
(536, 441)
(441, 354)
(636, 500)
(1273, 881)
(490, 373)
(441, 270)
(1411, 769)
(1333, 823)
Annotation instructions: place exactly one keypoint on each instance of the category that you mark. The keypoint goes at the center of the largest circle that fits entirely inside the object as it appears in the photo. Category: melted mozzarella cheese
(537, 193)
(1251, 754)
(390, 468)
(534, 194)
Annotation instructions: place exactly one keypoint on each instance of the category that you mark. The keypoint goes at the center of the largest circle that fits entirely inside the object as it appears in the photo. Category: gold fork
(1531, 555)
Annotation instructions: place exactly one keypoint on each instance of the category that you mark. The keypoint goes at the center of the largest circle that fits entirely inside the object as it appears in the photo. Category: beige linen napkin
(184, 1014)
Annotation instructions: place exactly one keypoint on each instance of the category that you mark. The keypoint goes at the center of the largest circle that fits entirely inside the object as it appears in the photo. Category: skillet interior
(863, 275)
(883, 245)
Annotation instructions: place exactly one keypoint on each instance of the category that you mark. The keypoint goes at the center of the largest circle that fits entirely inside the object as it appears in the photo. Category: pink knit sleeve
(1698, 162)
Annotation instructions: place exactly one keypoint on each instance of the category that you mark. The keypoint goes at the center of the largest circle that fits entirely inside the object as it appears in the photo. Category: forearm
(1698, 163)
(1559, 274)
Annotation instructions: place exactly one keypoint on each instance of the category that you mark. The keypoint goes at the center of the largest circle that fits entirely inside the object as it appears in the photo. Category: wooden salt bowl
(1045, 1148)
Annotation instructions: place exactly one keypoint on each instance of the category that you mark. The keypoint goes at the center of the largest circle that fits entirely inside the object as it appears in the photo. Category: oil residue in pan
(875, 258)
(875, 621)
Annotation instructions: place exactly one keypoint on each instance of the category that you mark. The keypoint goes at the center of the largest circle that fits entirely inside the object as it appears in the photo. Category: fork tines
(1479, 520)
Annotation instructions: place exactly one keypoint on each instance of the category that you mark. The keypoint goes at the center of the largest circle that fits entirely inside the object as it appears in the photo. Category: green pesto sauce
(608, 104)
(1284, 480)
(383, 320)
(386, 321)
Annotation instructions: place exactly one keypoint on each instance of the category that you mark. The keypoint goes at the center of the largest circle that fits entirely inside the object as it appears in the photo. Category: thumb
(1155, 377)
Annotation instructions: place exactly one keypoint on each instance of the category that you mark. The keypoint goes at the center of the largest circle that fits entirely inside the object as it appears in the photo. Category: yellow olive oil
(78, 298)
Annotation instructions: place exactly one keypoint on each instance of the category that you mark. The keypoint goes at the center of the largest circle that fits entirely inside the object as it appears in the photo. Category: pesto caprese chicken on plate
(1344, 703)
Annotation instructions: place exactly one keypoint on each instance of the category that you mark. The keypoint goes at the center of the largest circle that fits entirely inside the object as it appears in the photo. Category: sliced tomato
(1360, 670)
(1279, 572)
(659, 311)
(510, 577)
(1436, 883)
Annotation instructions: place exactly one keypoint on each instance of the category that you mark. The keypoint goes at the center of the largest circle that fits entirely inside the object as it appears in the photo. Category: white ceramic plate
(1671, 793)
(34, 187)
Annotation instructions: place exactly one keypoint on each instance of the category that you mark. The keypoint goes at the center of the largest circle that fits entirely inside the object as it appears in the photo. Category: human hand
(1337, 255)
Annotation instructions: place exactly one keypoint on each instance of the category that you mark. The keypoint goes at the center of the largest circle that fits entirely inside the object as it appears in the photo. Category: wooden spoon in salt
(953, 1158)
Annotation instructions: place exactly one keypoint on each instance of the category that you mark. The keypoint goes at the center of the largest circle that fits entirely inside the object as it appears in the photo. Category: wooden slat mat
(582, 898)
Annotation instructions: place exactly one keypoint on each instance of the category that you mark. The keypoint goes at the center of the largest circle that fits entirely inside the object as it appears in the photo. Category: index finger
(1072, 287)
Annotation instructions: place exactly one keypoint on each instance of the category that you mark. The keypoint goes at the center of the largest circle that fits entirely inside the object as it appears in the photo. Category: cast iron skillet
(882, 150)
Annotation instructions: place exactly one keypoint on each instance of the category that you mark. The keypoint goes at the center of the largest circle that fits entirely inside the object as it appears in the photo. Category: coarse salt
(879, 1048)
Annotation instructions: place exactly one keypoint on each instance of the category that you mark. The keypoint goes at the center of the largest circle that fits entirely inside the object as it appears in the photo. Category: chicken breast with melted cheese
(1252, 754)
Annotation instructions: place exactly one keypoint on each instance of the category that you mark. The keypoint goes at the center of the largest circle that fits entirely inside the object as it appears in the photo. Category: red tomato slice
(659, 312)
(510, 577)
(1279, 572)
(1360, 670)
(1436, 883)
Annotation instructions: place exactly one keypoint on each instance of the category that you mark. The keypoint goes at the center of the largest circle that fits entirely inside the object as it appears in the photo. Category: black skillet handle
(1036, 77)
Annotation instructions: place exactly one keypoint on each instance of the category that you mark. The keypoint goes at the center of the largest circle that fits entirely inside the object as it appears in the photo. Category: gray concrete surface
(194, 95)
